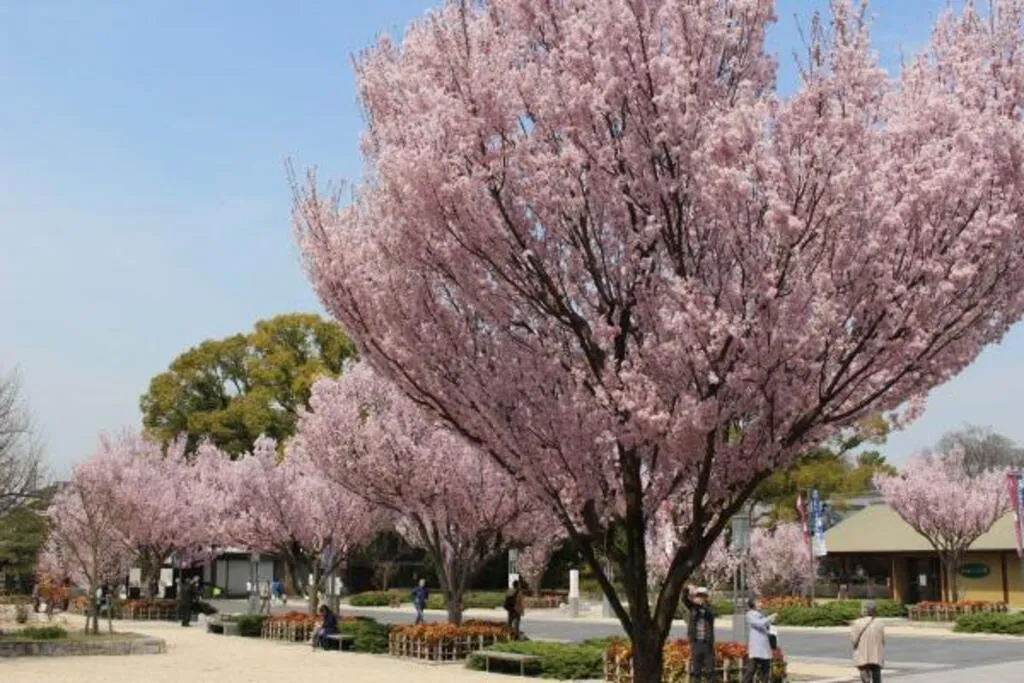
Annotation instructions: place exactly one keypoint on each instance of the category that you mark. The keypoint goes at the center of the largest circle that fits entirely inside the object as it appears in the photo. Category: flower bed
(139, 610)
(543, 601)
(729, 662)
(768, 604)
(294, 627)
(949, 611)
(444, 642)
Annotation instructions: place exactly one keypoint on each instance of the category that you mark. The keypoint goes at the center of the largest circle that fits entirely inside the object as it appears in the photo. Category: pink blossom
(291, 510)
(443, 495)
(780, 562)
(595, 242)
(942, 502)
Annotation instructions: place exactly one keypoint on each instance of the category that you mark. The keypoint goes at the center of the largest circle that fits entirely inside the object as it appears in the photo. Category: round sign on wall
(974, 570)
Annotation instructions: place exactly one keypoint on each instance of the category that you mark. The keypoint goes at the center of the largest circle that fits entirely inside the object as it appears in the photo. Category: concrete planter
(143, 645)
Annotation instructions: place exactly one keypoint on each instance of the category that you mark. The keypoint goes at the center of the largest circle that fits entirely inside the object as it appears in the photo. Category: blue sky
(143, 201)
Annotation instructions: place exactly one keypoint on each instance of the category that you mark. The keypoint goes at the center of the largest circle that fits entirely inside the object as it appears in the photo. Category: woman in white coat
(759, 647)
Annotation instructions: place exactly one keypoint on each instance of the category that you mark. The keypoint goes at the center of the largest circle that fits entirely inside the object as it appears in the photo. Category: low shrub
(887, 609)
(991, 622)
(829, 614)
(380, 598)
(43, 633)
(472, 600)
(21, 613)
(250, 625)
(561, 661)
(370, 636)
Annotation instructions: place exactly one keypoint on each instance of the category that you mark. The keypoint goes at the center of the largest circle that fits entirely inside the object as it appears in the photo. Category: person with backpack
(868, 637)
(516, 607)
(759, 644)
(420, 595)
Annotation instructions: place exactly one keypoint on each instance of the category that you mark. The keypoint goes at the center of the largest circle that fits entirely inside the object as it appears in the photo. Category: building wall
(1014, 580)
(988, 588)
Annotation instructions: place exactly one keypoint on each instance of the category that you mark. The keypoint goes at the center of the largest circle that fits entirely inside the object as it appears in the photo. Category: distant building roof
(878, 529)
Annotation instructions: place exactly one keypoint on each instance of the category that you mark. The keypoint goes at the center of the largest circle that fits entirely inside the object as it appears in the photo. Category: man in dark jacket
(185, 598)
(700, 631)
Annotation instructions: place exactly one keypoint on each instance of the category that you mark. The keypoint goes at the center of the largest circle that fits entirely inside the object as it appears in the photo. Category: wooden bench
(336, 641)
(523, 660)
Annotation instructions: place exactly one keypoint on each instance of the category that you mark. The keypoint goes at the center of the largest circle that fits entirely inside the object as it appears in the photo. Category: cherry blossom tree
(595, 242)
(532, 561)
(719, 565)
(290, 510)
(445, 497)
(780, 561)
(938, 498)
(87, 541)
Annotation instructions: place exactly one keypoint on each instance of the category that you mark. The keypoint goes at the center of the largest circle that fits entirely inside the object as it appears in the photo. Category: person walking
(185, 599)
(868, 637)
(759, 645)
(420, 595)
(700, 631)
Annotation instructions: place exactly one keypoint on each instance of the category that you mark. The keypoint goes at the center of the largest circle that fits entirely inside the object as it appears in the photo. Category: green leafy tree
(233, 390)
(838, 470)
(23, 531)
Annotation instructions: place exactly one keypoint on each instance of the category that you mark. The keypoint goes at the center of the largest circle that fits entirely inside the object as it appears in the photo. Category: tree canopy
(595, 240)
(234, 390)
(839, 469)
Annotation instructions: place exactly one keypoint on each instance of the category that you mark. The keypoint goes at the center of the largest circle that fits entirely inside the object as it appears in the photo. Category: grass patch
(560, 661)
(991, 622)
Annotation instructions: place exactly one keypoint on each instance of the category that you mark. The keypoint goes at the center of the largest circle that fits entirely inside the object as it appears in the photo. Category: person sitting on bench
(328, 626)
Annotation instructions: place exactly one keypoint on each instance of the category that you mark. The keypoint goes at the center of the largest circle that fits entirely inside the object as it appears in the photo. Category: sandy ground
(198, 657)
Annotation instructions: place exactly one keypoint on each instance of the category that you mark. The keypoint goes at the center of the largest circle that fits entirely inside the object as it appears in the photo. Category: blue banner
(818, 523)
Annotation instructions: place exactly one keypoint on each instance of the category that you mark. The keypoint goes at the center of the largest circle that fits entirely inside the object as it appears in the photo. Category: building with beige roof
(875, 543)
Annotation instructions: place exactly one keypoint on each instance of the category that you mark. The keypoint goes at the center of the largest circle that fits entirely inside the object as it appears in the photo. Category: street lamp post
(740, 544)
(254, 578)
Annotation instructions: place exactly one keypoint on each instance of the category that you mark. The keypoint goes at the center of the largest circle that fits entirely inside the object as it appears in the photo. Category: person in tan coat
(868, 637)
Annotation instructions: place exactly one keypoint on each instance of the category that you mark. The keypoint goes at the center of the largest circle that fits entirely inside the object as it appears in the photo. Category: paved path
(909, 649)
(199, 657)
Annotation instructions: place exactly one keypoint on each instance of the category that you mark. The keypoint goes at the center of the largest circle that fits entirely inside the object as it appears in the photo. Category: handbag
(773, 638)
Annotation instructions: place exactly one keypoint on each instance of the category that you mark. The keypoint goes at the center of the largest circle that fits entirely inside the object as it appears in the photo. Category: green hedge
(371, 636)
(379, 598)
(838, 613)
(250, 625)
(42, 633)
(577, 661)
(471, 600)
(991, 622)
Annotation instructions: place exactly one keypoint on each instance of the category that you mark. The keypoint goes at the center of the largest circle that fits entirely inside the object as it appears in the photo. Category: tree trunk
(952, 570)
(647, 654)
(314, 589)
(454, 600)
(92, 618)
